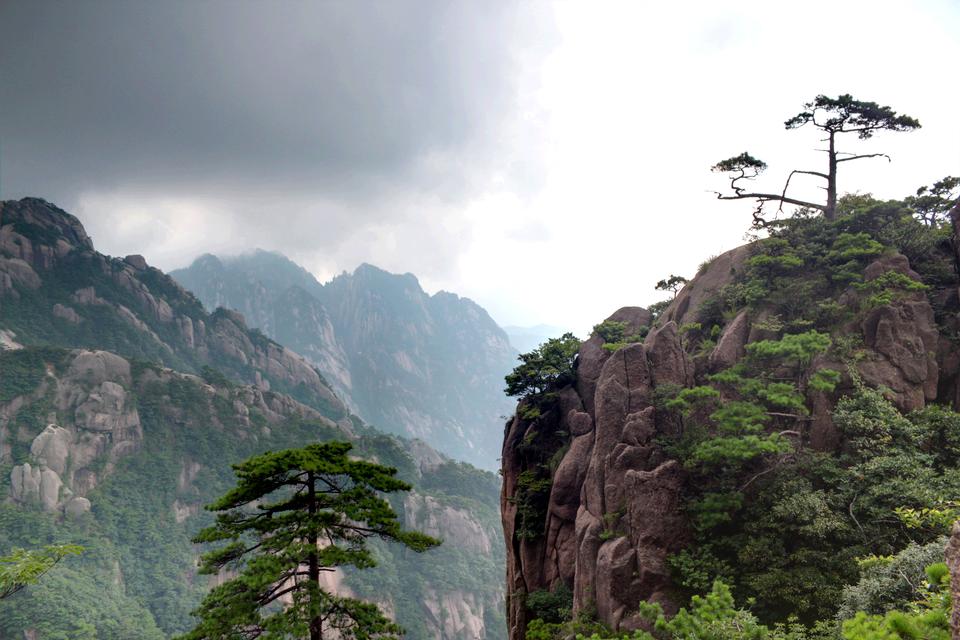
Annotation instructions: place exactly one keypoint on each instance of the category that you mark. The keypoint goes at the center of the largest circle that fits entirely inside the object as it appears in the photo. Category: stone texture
(721, 270)
(731, 345)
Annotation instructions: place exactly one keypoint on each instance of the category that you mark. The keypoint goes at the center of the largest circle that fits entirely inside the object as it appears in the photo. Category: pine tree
(293, 515)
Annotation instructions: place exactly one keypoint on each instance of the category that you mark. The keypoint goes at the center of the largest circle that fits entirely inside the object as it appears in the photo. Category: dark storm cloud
(347, 99)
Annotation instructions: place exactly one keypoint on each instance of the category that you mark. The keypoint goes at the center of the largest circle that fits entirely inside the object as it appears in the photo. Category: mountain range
(424, 366)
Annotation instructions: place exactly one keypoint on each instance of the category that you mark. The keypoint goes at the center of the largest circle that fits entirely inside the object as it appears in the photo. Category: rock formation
(613, 513)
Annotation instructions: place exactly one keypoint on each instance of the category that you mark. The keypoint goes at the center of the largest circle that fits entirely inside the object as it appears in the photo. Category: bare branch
(768, 197)
(790, 177)
(865, 155)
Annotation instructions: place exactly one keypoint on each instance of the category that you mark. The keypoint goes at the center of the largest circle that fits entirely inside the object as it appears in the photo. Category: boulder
(52, 447)
(136, 261)
(731, 345)
(670, 364)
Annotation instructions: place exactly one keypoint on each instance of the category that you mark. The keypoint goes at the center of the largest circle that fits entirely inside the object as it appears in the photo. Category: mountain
(526, 339)
(764, 430)
(123, 404)
(423, 366)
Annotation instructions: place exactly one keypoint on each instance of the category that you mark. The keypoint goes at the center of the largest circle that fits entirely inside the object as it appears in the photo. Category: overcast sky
(549, 160)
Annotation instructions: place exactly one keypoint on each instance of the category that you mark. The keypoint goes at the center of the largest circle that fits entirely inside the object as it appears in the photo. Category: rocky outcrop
(95, 424)
(144, 367)
(615, 511)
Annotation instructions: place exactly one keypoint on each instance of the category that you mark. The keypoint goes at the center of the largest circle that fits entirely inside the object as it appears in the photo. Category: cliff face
(611, 511)
(424, 366)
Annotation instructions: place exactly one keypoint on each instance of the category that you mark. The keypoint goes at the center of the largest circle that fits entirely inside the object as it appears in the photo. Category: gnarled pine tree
(832, 116)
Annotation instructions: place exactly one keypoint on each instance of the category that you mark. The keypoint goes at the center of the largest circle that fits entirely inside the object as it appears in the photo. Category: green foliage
(742, 162)
(550, 606)
(657, 308)
(889, 287)
(614, 334)
(547, 367)
(941, 426)
(794, 349)
(926, 619)
(610, 330)
(137, 580)
(21, 370)
(734, 451)
(286, 503)
(80, 598)
(932, 204)
(672, 283)
(531, 497)
(610, 521)
(710, 617)
(22, 567)
(833, 255)
(888, 583)
(825, 380)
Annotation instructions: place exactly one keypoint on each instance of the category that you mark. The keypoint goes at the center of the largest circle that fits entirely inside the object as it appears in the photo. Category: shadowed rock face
(614, 513)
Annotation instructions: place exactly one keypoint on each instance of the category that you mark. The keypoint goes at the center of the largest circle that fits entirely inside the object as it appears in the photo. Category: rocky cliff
(595, 496)
(424, 366)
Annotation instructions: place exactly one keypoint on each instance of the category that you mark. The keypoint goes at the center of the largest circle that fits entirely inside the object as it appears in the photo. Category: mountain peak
(41, 223)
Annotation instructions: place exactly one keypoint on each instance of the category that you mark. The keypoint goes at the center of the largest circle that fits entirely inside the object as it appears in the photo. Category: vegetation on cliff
(813, 415)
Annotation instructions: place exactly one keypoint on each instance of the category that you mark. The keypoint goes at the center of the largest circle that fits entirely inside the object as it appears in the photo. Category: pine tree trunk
(316, 631)
(830, 212)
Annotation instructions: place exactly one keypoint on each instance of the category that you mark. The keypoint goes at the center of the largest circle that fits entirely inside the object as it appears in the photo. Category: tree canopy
(673, 284)
(293, 515)
(23, 567)
(550, 364)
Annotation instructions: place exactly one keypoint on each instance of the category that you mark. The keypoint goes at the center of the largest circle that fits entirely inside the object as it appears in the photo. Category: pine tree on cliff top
(833, 117)
(293, 515)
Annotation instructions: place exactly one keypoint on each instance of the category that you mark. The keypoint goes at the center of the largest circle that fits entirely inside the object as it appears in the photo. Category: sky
(549, 160)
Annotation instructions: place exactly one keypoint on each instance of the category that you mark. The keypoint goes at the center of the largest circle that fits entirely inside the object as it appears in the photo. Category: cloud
(549, 160)
(320, 113)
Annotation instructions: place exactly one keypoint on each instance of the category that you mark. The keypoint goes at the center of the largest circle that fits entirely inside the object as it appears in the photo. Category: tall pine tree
(293, 515)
